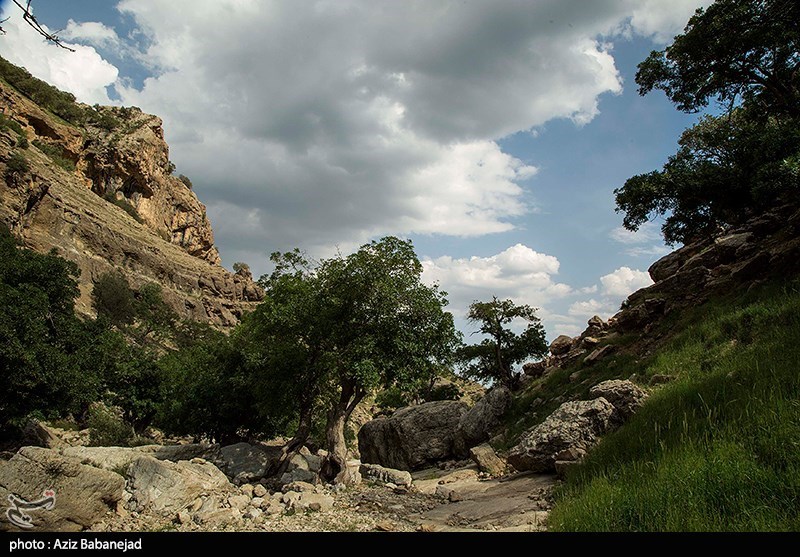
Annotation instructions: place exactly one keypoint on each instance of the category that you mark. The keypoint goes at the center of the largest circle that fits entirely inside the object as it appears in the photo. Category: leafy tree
(113, 299)
(495, 356)
(734, 50)
(726, 169)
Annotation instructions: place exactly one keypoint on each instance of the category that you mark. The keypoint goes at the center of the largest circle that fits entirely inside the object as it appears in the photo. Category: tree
(735, 50)
(113, 299)
(495, 356)
(328, 335)
(726, 169)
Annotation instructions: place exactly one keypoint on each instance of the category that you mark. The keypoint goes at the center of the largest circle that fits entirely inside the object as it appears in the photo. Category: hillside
(97, 186)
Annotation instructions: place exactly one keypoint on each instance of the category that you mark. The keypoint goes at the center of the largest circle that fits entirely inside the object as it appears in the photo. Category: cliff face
(103, 195)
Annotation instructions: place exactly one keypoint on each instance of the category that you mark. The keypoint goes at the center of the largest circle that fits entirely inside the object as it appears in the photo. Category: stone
(84, 495)
(319, 502)
(259, 490)
(298, 486)
(561, 345)
(385, 526)
(625, 396)
(597, 321)
(599, 354)
(183, 517)
(479, 422)
(252, 514)
(590, 342)
(249, 461)
(39, 434)
(534, 369)
(273, 508)
(377, 472)
(240, 502)
(257, 502)
(173, 486)
(412, 437)
(247, 490)
(576, 424)
(119, 458)
(487, 460)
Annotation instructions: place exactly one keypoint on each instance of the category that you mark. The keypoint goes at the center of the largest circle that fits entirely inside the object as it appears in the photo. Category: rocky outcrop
(487, 460)
(480, 421)
(386, 475)
(625, 396)
(561, 345)
(573, 428)
(161, 485)
(118, 458)
(413, 436)
(108, 201)
(83, 494)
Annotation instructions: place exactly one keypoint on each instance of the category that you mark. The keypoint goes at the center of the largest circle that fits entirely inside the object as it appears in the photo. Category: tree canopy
(495, 356)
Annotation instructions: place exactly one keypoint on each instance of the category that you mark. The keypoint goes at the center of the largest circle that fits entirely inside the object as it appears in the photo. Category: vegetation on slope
(718, 449)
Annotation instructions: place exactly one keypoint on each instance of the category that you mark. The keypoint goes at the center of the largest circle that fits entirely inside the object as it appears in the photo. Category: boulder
(173, 486)
(599, 353)
(118, 458)
(574, 425)
(320, 502)
(561, 345)
(83, 494)
(302, 468)
(413, 436)
(534, 369)
(597, 321)
(487, 460)
(41, 435)
(386, 475)
(248, 461)
(626, 397)
(478, 423)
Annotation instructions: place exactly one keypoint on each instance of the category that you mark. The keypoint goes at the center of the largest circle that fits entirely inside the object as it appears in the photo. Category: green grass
(717, 450)
(56, 154)
(123, 204)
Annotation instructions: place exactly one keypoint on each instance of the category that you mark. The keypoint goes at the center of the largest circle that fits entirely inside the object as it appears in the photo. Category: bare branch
(31, 20)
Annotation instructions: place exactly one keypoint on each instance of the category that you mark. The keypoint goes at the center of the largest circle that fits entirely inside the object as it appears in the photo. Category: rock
(599, 354)
(290, 498)
(173, 486)
(247, 490)
(40, 434)
(252, 514)
(273, 508)
(413, 436)
(240, 502)
(299, 487)
(562, 467)
(626, 397)
(577, 424)
(377, 472)
(298, 475)
(597, 321)
(248, 460)
(590, 342)
(183, 517)
(385, 526)
(119, 458)
(574, 376)
(660, 379)
(83, 494)
(259, 490)
(534, 369)
(478, 423)
(319, 502)
(561, 345)
(487, 460)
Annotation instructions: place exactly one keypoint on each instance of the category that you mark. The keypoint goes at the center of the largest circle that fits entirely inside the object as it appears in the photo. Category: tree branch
(31, 20)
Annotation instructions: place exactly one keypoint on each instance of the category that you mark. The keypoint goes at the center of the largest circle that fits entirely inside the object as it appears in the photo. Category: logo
(16, 512)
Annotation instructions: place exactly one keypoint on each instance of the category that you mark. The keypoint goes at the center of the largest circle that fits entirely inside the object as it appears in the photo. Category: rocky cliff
(103, 194)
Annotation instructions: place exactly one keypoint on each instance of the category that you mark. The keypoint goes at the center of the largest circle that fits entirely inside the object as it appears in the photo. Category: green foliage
(42, 369)
(58, 102)
(113, 299)
(186, 182)
(726, 169)
(733, 50)
(56, 154)
(240, 267)
(718, 448)
(16, 164)
(22, 142)
(13, 125)
(495, 356)
(107, 428)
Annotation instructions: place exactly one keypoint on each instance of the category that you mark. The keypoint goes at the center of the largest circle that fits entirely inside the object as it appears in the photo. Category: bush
(22, 142)
(107, 428)
(113, 299)
(8, 123)
(16, 164)
(186, 181)
(56, 154)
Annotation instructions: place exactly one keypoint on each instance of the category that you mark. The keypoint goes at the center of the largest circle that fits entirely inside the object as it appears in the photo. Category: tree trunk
(335, 467)
(294, 445)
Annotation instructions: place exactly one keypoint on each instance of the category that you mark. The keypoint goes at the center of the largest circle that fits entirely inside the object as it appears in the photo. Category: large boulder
(83, 494)
(172, 486)
(248, 461)
(118, 458)
(386, 475)
(487, 460)
(412, 437)
(625, 396)
(561, 345)
(573, 427)
(478, 423)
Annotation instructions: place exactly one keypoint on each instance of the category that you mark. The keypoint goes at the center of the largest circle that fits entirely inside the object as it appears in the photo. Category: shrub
(107, 428)
(16, 164)
(113, 299)
(186, 181)
(56, 154)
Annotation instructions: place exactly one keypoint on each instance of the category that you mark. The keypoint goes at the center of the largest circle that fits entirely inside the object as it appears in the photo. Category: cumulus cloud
(84, 73)
(92, 32)
(663, 20)
(648, 233)
(592, 307)
(624, 281)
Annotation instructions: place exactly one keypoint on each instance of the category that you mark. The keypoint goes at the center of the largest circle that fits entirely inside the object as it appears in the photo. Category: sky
(490, 133)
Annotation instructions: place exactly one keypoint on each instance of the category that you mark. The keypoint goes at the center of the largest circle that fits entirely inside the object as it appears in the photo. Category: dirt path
(517, 503)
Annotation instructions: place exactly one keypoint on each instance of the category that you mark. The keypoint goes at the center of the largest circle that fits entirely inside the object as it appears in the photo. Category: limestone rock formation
(487, 460)
(386, 475)
(413, 436)
(83, 494)
(478, 423)
(107, 199)
(625, 396)
(574, 426)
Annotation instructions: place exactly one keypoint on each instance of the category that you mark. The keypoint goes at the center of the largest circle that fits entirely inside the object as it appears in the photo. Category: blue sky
(490, 133)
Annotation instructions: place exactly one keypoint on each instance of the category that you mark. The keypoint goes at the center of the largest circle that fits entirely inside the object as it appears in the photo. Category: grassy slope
(718, 449)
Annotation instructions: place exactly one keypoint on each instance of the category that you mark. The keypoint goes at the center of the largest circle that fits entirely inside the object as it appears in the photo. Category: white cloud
(83, 73)
(92, 32)
(661, 19)
(592, 307)
(648, 233)
(624, 281)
